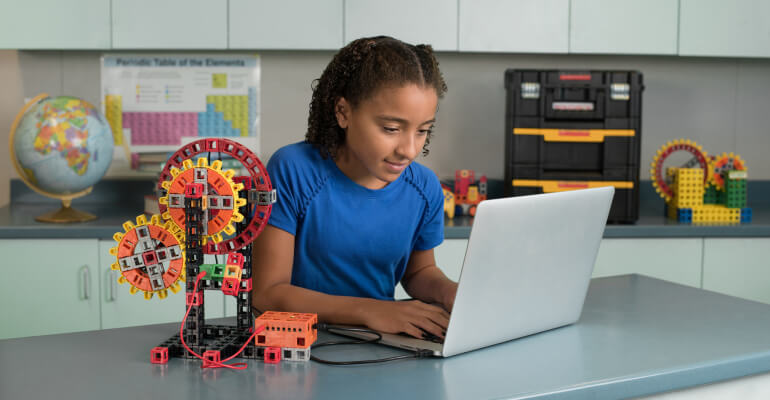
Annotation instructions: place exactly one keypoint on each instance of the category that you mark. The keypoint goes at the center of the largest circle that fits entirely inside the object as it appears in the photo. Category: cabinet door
(522, 26)
(169, 24)
(736, 28)
(738, 267)
(120, 308)
(429, 21)
(624, 26)
(675, 260)
(288, 24)
(449, 257)
(53, 24)
(49, 286)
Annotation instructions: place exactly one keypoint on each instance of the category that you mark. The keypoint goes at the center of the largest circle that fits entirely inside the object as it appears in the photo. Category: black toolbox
(575, 126)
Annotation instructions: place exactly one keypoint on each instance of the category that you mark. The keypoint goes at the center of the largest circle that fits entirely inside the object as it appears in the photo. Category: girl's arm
(423, 280)
(272, 260)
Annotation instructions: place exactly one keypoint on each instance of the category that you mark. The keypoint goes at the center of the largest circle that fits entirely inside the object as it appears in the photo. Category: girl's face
(385, 133)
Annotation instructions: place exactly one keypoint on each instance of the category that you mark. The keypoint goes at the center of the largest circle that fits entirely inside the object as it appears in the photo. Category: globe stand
(66, 214)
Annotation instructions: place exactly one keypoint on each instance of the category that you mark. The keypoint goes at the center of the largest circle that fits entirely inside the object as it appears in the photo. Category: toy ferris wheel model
(199, 202)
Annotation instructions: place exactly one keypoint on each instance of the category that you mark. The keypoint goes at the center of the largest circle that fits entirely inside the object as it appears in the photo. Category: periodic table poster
(155, 103)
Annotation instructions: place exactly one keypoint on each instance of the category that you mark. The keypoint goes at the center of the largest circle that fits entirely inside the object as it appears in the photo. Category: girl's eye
(389, 129)
(426, 131)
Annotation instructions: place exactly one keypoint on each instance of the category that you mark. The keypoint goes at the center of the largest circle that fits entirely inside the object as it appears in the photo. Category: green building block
(710, 195)
(214, 272)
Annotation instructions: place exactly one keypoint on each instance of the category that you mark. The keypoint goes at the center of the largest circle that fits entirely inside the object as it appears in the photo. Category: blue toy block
(745, 215)
(684, 215)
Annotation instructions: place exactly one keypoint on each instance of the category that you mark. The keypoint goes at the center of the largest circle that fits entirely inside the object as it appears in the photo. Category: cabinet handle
(113, 284)
(85, 277)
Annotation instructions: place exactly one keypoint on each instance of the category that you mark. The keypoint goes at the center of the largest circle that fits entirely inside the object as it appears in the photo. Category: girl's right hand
(412, 317)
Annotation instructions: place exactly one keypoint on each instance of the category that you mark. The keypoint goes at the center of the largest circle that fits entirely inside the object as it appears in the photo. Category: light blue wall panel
(169, 24)
(55, 24)
(50, 286)
(522, 26)
(738, 267)
(737, 28)
(675, 260)
(432, 22)
(624, 26)
(289, 24)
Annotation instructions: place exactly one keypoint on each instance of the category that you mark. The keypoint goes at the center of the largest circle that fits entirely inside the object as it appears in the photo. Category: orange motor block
(286, 329)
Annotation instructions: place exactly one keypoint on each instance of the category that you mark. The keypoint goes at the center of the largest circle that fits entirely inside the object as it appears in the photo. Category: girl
(355, 215)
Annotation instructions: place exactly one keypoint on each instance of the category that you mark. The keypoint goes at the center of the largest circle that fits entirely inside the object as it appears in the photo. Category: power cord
(377, 337)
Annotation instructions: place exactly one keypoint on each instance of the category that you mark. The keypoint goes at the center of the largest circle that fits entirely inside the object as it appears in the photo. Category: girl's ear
(342, 112)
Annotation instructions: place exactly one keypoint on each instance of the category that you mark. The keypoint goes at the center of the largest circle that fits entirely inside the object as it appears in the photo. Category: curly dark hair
(356, 72)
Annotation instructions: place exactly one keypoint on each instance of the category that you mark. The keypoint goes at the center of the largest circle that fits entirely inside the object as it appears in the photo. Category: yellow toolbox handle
(574, 135)
(561, 186)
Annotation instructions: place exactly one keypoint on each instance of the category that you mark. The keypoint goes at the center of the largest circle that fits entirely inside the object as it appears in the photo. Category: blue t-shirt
(350, 240)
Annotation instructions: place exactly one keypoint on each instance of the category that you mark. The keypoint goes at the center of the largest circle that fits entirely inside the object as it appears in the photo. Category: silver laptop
(526, 270)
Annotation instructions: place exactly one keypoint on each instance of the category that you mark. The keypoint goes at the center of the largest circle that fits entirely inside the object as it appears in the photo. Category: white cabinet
(288, 24)
(428, 21)
(522, 26)
(54, 24)
(737, 28)
(738, 267)
(675, 260)
(624, 26)
(49, 286)
(449, 258)
(169, 24)
(121, 309)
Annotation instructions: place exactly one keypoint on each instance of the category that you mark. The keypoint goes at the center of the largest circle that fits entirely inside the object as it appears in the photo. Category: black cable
(377, 337)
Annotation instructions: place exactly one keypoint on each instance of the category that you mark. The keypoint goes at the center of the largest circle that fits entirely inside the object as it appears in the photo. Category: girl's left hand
(448, 294)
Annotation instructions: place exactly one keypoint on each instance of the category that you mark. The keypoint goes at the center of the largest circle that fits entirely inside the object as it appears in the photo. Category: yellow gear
(724, 162)
(150, 256)
(657, 173)
(221, 202)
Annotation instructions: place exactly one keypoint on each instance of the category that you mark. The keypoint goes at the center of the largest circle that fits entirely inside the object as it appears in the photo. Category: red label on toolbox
(574, 133)
(572, 185)
(575, 77)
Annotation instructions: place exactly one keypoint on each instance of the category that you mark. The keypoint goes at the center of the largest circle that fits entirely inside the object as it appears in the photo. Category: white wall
(721, 103)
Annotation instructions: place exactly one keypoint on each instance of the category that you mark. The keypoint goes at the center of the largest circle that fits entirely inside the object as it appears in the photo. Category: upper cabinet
(623, 26)
(287, 24)
(54, 24)
(737, 28)
(169, 24)
(426, 21)
(523, 26)
(716, 28)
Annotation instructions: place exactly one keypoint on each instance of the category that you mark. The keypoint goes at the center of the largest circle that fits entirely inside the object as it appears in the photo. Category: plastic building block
(285, 329)
(245, 285)
(273, 355)
(159, 355)
(684, 215)
(230, 286)
(211, 357)
(193, 190)
(745, 215)
(195, 299)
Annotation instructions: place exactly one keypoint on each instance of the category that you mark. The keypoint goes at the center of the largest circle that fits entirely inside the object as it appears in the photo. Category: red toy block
(211, 357)
(235, 259)
(245, 180)
(246, 285)
(149, 257)
(193, 190)
(195, 299)
(230, 286)
(159, 355)
(273, 355)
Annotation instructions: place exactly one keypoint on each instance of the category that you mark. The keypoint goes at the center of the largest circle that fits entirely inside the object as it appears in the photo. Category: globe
(61, 146)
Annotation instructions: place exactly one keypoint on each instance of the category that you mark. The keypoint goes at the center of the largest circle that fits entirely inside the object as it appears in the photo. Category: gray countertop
(636, 336)
(113, 208)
